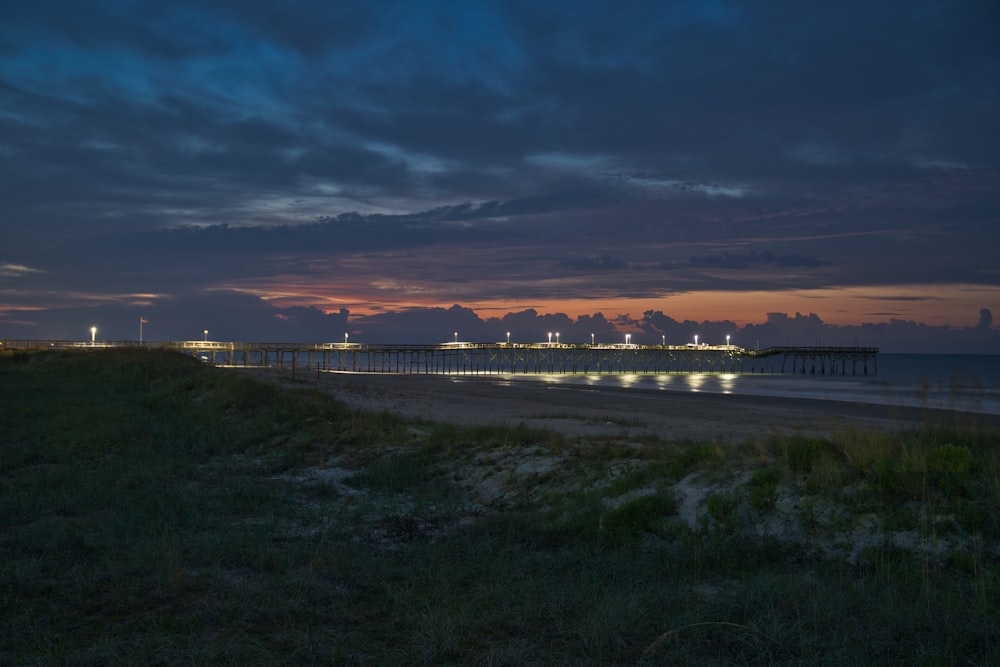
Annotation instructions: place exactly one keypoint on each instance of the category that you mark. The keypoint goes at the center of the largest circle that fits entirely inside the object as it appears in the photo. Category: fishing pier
(465, 358)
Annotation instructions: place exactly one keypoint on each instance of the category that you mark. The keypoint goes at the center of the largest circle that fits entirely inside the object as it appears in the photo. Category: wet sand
(579, 411)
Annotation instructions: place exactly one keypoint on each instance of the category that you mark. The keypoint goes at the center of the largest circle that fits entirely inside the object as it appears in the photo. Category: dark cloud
(754, 259)
(227, 316)
(401, 157)
(603, 263)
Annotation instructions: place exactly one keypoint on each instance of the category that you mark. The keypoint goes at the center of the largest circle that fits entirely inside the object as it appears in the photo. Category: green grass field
(158, 511)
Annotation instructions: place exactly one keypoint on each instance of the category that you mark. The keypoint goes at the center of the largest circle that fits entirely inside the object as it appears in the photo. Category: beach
(581, 411)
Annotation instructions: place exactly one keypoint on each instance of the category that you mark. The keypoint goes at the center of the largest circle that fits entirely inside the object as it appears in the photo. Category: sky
(778, 172)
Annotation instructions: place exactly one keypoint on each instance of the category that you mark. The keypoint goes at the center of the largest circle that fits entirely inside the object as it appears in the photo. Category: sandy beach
(578, 411)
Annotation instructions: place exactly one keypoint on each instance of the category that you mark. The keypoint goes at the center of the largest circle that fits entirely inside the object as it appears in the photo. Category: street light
(550, 338)
(206, 335)
(557, 338)
(727, 340)
(456, 336)
(664, 338)
(93, 335)
(345, 339)
(628, 339)
(696, 340)
(591, 339)
(508, 338)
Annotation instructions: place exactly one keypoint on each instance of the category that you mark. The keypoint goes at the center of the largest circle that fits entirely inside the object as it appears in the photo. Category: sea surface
(968, 383)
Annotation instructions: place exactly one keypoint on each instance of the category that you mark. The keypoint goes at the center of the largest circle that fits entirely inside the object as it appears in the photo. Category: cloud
(16, 270)
(383, 158)
(754, 259)
(666, 187)
(239, 316)
(602, 263)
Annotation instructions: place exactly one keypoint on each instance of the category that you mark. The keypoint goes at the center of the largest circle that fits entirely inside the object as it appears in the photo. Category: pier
(465, 358)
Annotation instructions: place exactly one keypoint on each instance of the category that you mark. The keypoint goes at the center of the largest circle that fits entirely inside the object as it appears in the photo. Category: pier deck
(504, 358)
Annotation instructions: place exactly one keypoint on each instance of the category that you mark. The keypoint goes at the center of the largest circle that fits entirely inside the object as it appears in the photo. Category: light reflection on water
(696, 381)
(958, 382)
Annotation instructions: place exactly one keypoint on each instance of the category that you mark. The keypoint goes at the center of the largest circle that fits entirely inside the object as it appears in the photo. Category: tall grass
(155, 510)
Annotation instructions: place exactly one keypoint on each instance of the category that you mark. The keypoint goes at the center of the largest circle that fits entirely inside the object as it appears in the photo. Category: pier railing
(502, 358)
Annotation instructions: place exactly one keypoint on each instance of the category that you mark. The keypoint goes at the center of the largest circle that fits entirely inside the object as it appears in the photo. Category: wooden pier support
(507, 358)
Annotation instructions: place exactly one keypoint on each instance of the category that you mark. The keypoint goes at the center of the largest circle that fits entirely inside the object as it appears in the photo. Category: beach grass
(156, 510)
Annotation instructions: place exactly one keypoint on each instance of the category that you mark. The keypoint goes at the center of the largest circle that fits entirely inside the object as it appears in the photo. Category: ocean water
(951, 381)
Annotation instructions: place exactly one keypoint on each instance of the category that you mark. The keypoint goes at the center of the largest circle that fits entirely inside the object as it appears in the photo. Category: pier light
(345, 339)
(727, 340)
(696, 340)
(628, 338)
(206, 335)
(93, 335)
(557, 338)
(456, 336)
(508, 338)
(591, 339)
(550, 338)
(664, 339)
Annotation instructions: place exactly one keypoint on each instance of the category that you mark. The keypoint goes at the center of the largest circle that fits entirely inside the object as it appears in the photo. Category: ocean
(968, 383)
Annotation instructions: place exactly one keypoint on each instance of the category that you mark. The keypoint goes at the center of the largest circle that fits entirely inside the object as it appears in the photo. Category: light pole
(664, 339)
(696, 340)
(727, 340)
(628, 339)
(206, 335)
(557, 338)
(345, 339)
(93, 335)
(456, 336)
(508, 338)
(550, 338)
(591, 339)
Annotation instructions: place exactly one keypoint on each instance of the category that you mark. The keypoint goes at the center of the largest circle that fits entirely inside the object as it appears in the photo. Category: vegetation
(156, 510)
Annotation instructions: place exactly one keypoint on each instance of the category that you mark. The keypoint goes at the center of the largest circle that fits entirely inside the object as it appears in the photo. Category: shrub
(803, 455)
(764, 488)
(763, 498)
(628, 522)
(827, 475)
(970, 517)
(899, 519)
(893, 479)
(863, 450)
(399, 472)
(810, 515)
(638, 477)
(949, 466)
(766, 477)
(703, 454)
(722, 506)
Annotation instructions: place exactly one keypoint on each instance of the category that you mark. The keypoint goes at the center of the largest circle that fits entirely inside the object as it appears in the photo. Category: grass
(155, 510)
